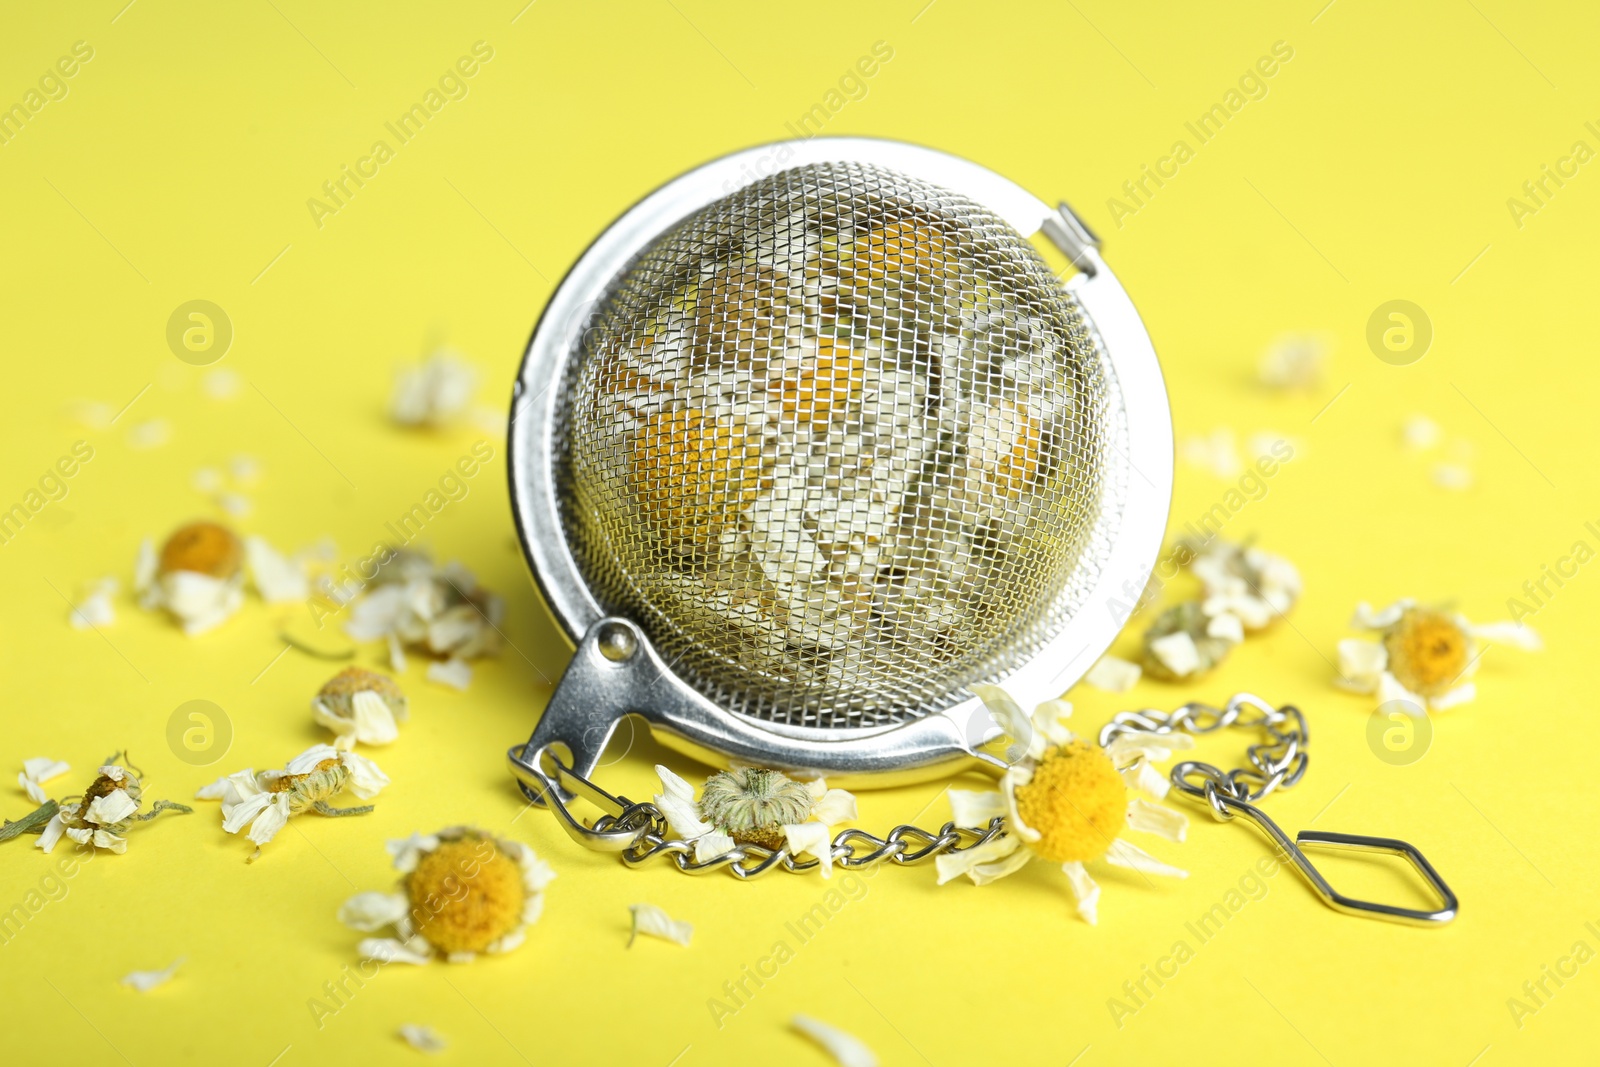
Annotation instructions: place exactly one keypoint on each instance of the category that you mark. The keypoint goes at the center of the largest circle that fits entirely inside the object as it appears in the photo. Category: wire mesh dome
(841, 444)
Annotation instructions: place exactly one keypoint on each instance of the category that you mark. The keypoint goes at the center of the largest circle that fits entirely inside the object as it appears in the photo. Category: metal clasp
(1225, 806)
(545, 779)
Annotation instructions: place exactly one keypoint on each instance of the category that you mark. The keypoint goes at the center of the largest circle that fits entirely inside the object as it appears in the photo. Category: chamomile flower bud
(197, 576)
(359, 705)
(266, 801)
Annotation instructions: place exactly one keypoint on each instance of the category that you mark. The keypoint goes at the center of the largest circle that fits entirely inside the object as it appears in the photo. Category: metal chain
(639, 832)
(1277, 763)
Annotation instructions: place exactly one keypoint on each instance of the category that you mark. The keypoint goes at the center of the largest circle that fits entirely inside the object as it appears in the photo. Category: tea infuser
(811, 440)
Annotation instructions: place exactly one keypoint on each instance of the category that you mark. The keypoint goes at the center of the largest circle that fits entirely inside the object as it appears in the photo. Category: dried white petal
(276, 577)
(1113, 675)
(1178, 652)
(975, 808)
(455, 673)
(144, 981)
(422, 1038)
(1157, 819)
(1124, 853)
(649, 919)
(849, 1050)
(1085, 891)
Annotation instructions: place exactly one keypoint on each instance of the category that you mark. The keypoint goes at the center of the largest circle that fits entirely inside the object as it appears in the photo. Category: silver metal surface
(1278, 762)
(639, 832)
(835, 443)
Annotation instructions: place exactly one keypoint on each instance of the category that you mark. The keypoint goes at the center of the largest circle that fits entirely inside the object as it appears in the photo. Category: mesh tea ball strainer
(797, 458)
(811, 441)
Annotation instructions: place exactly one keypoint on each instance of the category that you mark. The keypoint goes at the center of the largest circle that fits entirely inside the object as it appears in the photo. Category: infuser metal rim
(1120, 336)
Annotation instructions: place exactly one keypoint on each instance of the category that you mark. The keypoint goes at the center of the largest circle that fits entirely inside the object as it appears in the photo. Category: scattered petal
(144, 981)
(1085, 891)
(1113, 675)
(847, 1049)
(651, 920)
(422, 1038)
(455, 673)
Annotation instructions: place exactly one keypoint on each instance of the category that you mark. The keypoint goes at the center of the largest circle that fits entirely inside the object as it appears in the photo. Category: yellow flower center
(1076, 800)
(466, 894)
(1428, 651)
(204, 548)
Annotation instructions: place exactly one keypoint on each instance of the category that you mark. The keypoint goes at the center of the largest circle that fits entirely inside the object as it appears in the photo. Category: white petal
(1367, 619)
(682, 813)
(372, 911)
(217, 789)
(849, 1050)
(145, 567)
(43, 768)
(813, 838)
(274, 817)
(1390, 689)
(389, 950)
(836, 806)
(674, 786)
(975, 808)
(51, 834)
(144, 981)
(406, 851)
(1124, 853)
(93, 611)
(1048, 721)
(1085, 891)
(374, 721)
(1113, 675)
(1156, 819)
(397, 655)
(1142, 775)
(1461, 694)
(985, 863)
(536, 873)
(454, 673)
(1007, 714)
(649, 919)
(34, 790)
(109, 841)
(1227, 626)
(712, 845)
(506, 942)
(111, 808)
(422, 1038)
(366, 780)
(1360, 663)
(276, 577)
(1132, 744)
(1177, 653)
(1013, 779)
(307, 761)
(1517, 634)
(377, 614)
(236, 816)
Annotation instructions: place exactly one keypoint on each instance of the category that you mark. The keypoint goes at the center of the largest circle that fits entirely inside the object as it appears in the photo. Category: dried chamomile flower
(1066, 802)
(1241, 580)
(102, 816)
(461, 892)
(1185, 642)
(653, 921)
(359, 705)
(1422, 655)
(35, 772)
(434, 393)
(442, 611)
(755, 806)
(265, 801)
(197, 576)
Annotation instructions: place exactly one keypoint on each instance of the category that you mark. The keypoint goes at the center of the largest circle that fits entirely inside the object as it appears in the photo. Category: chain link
(1279, 762)
(639, 832)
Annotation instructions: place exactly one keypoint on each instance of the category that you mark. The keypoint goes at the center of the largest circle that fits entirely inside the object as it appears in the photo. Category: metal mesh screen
(839, 443)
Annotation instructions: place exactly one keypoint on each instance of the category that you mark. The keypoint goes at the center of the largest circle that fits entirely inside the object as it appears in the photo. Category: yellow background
(1377, 167)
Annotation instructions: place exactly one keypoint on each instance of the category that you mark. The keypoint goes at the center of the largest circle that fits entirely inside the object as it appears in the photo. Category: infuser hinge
(1072, 235)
